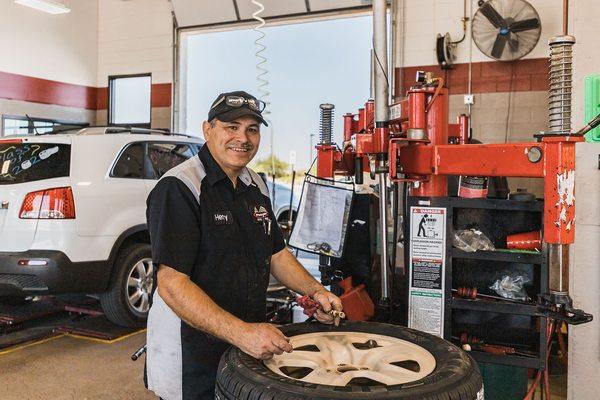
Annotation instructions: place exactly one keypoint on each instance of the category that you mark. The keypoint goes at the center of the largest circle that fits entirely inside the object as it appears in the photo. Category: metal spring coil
(561, 78)
(326, 123)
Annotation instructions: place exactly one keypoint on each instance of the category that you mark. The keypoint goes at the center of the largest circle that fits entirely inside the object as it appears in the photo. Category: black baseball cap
(221, 110)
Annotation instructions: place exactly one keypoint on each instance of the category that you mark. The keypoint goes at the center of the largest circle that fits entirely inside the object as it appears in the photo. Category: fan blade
(492, 15)
(499, 45)
(514, 45)
(524, 25)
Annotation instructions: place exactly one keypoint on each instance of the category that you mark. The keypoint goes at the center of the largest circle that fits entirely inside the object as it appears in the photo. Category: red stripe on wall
(161, 95)
(102, 102)
(487, 77)
(36, 90)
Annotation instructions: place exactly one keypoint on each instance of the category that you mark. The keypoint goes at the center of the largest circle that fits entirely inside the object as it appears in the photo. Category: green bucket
(592, 105)
(503, 382)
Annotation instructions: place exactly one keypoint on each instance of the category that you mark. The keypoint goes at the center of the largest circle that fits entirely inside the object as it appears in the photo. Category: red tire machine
(407, 142)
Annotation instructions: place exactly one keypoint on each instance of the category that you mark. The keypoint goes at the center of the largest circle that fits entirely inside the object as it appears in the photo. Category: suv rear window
(165, 156)
(28, 162)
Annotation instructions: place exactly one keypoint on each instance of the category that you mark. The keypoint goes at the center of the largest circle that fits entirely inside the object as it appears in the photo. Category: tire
(454, 377)
(115, 302)
(14, 300)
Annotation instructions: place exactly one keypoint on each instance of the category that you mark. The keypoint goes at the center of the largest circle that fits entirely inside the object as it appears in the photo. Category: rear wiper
(7, 178)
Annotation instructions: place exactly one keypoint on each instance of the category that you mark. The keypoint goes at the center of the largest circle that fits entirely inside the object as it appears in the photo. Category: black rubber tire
(14, 300)
(114, 302)
(456, 375)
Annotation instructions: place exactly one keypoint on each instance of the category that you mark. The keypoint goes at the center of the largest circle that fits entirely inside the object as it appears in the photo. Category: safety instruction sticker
(427, 260)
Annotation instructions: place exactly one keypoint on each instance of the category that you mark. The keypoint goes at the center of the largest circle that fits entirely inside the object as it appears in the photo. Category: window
(143, 160)
(21, 125)
(129, 100)
(165, 156)
(28, 162)
(131, 163)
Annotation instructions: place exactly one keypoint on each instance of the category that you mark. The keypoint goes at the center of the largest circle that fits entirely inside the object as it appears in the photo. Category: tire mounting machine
(407, 142)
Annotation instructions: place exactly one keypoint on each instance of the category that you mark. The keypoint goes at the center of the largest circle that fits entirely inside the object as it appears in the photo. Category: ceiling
(200, 13)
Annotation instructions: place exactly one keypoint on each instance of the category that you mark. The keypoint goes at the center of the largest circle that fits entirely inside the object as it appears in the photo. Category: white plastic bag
(511, 287)
(471, 240)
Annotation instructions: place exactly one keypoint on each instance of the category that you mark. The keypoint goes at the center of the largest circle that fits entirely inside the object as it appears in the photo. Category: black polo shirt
(223, 238)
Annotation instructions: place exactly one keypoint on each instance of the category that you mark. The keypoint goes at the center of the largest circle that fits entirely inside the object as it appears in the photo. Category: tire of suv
(131, 281)
(454, 377)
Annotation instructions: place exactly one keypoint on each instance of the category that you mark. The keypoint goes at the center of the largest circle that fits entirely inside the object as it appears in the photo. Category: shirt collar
(214, 172)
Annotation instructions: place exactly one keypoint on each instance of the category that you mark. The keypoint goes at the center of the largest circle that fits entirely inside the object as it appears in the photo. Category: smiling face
(232, 144)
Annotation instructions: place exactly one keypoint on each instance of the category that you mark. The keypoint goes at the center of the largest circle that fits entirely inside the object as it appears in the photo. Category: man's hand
(262, 341)
(328, 301)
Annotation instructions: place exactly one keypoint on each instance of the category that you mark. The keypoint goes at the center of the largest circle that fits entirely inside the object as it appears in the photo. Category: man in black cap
(215, 239)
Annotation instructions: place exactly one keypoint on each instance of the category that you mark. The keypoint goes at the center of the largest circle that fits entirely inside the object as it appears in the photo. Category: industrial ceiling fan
(506, 29)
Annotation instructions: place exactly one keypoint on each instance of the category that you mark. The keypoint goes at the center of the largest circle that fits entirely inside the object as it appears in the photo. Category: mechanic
(215, 239)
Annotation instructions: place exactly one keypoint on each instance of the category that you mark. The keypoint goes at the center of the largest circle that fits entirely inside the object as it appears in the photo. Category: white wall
(426, 18)
(57, 47)
(135, 36)
(584, 340)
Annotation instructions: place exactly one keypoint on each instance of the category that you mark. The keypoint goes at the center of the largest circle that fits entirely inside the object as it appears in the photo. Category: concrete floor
(72, 368)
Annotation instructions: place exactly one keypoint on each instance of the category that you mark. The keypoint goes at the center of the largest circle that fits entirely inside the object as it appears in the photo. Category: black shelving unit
(514, 324)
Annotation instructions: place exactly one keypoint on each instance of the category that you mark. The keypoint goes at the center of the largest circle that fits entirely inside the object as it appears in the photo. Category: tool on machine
(310, 308)
(471, 293)
(496, 349)
(469, 343)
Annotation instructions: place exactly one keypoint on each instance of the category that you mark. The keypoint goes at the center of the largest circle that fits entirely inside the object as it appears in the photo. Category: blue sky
(309, 63)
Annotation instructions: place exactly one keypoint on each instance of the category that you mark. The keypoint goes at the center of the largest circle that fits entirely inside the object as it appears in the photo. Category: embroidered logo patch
(259, 214)
(222, 217)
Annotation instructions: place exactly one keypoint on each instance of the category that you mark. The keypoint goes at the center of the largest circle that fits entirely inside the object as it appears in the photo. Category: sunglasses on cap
(239, 101)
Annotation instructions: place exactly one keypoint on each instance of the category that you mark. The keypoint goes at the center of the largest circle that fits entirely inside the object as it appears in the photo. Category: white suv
(73, 213)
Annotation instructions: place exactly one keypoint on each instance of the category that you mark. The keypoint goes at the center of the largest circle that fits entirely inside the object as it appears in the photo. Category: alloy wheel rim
(353, 359)
(140, 281)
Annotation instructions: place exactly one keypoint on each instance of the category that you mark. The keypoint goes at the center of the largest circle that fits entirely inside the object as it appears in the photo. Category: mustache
(245, 146)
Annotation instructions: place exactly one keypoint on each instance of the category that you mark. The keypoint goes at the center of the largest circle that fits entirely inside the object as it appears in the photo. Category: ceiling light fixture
(49, 6)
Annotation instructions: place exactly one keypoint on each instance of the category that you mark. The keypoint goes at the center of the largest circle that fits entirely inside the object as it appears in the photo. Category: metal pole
(381, 61)
(397, 51)
(383, 230)
(381, 121)
(372, 77)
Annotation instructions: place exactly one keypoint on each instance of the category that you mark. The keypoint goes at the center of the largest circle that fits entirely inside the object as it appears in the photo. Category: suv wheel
(126, 303)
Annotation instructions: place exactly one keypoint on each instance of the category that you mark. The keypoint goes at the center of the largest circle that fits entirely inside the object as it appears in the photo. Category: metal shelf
(513, 360)
(507, 256)
(497, 204)
(502, 307)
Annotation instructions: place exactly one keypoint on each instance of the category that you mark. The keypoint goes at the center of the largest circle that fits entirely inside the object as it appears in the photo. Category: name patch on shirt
(222, 218)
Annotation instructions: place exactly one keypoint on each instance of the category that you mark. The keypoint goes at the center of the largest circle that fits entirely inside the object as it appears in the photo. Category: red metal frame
(430, 161)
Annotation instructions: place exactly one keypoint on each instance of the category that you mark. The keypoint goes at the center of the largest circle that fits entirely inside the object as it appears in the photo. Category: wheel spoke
(398, 374)
(144, 304)
(139, 267)
(384, 378)
(387, 354)
(300, 359)
(335, 350)
(135, 297)
(149, 268)
(319, 376)
(133, 282)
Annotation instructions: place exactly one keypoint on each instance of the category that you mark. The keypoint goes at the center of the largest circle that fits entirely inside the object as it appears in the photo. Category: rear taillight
(56, 203)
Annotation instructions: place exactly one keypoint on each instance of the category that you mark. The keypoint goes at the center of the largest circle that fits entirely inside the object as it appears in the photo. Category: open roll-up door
(199, 13)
